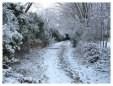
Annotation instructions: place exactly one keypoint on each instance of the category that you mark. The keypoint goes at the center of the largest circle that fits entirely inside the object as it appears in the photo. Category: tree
(28, 7)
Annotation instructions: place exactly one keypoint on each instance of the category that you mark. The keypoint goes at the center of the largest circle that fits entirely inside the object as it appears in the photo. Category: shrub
(19, 28)
(89, 52)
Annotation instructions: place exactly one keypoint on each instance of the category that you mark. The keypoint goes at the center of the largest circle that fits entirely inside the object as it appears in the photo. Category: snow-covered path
(57, 64)
(54, 73)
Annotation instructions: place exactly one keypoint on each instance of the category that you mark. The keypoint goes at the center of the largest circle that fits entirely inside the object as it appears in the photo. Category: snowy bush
(11, 76)
(56, 35)
(19, 28)
(12, 38)
(89, 52)
(31, 27)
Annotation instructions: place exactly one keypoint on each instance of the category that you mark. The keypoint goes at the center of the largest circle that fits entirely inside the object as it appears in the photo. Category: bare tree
(28, 7)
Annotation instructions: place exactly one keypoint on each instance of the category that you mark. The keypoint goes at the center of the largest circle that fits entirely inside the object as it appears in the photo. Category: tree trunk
(28, 7)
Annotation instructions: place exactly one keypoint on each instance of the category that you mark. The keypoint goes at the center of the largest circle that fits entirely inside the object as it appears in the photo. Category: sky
(39, 6)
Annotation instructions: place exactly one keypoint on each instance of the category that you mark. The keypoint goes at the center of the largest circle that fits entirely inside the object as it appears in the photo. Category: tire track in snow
(65, 62)
(79, 73)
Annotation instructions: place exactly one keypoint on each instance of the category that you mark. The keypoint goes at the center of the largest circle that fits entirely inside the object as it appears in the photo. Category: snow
(53, 72)
(58, 64)
(87, 73)
(10, 30)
